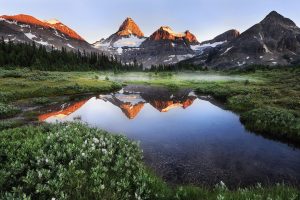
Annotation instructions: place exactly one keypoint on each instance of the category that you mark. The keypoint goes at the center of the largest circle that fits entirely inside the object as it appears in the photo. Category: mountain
(64, 112)
(221, 39)
(130, 104)
(166, 33)
(273, 41)
(128, 35)
(26, 28)
(163, 47)
(165, 106)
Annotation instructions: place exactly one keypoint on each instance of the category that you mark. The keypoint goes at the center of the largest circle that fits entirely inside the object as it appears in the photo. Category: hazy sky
(95, 19)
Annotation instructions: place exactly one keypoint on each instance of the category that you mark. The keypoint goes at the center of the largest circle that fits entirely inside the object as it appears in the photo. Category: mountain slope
(273, 41)
(221, 39)
(128, 35)
(163, 47)
(26, 28)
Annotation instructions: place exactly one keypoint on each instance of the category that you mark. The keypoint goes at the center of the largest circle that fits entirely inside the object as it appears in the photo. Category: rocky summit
(51, 34)
(128, 35)
(273, 41)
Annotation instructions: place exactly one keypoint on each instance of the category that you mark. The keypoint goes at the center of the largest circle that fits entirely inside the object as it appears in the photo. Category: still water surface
(187, 139)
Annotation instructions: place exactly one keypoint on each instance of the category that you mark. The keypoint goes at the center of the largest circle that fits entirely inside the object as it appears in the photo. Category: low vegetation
(24, 83)
(51, 160)
(9, 123)
(7, 110)
(259, 91)
(72, 161)
(272, 120)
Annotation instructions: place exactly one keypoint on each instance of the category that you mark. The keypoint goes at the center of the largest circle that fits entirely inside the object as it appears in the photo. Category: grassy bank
(267, 100)
(72, 161)
(20, 84)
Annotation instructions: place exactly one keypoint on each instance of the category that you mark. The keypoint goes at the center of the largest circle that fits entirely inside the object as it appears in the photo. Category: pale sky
(96, 19)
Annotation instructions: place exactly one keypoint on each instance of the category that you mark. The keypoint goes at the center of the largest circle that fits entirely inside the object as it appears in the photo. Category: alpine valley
(273, 41)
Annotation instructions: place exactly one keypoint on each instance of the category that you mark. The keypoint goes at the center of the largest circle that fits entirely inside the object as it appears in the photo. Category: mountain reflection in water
(131, 102)
(186, 139)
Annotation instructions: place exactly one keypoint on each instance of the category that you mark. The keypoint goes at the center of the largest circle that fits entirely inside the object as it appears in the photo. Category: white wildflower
(222, 184)
(96, 141)
(220, 197)
(39, 174)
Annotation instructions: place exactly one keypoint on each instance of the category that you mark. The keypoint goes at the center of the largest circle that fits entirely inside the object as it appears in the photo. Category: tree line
(37, 57)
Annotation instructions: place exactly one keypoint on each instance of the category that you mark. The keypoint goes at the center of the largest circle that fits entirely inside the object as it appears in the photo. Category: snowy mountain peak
(26, 19)
(129, 27)
(166, 33)
(52, 21)
(55, 24)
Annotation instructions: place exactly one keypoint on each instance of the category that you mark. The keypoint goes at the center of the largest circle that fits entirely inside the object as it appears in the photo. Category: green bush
(8, 110)
(218, 91)
(72, 162)
(38, 76)
(272, 120)
(41, 100)
(6, 124)
(6, 96)
(244, 102)
(12, 74)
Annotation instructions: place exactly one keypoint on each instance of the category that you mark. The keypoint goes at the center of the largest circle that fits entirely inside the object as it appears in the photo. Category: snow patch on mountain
(100, 44)
(10, 22)
(70, 46)
(169, 30)
(184, 57)
(52, 21)
(266, 49)
(42, 43)
(30, 35)
(200, 47)
(131, 41)
(228, 49)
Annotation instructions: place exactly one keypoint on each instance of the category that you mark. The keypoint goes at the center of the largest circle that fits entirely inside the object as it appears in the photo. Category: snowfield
(204, 46)
(30, 35)
(132, 41)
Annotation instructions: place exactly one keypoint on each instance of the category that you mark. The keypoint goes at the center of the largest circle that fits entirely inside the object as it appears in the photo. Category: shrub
(218, 91)
(41, 100)
(8, 110)
(6, 124)
(6, 96)
(72, 162)
(272, 120)
(12, 74)
(243, 102)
